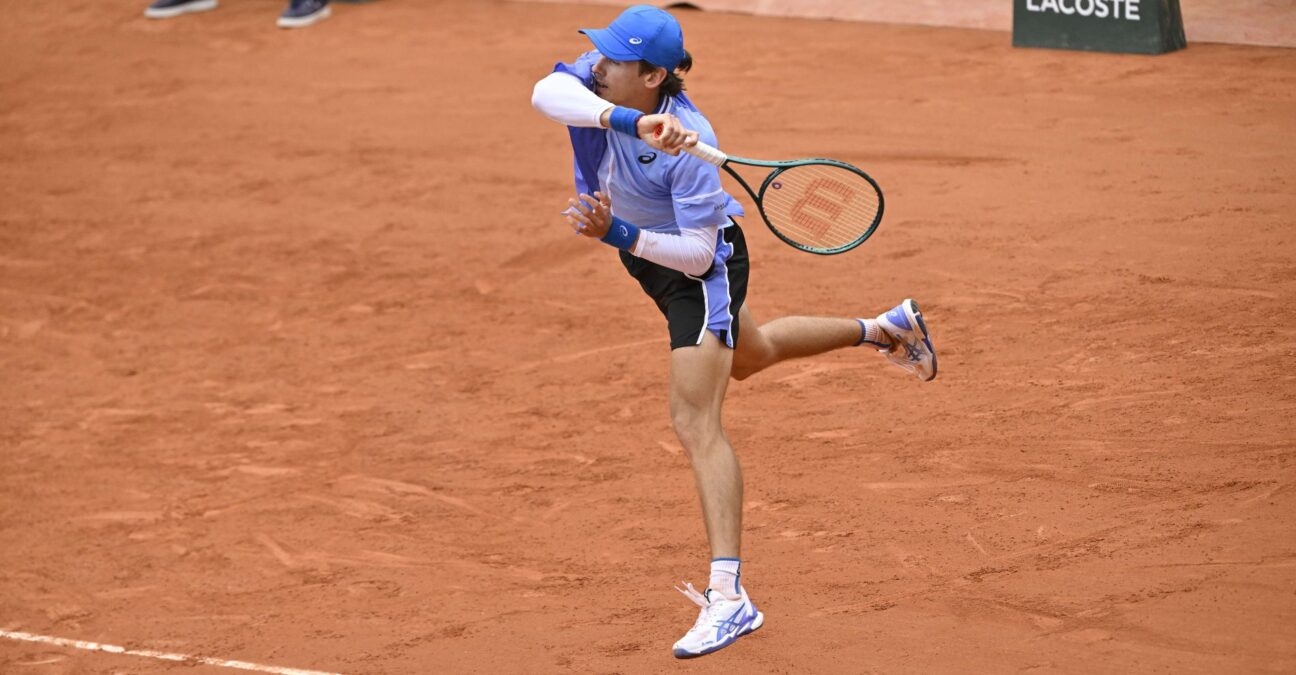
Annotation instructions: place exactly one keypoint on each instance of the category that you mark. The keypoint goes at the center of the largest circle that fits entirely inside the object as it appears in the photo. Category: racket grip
(707, 154)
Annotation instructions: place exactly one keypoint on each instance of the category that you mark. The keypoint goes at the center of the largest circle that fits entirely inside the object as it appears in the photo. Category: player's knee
(752, 361)
(743, 370)
(693, 426)
(686, 421)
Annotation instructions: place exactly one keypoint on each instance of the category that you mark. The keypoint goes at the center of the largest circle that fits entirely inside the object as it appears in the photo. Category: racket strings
(823, 206)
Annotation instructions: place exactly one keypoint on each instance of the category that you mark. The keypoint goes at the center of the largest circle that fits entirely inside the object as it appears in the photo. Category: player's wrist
(625, 120)
(621, 234)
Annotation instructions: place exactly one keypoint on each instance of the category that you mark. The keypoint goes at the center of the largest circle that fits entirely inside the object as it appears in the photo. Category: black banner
(1133, 26)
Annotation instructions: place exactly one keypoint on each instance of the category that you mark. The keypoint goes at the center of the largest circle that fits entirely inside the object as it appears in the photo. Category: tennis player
(679, 236)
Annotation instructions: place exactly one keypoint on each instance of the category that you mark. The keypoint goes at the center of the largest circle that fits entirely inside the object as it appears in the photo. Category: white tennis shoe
(911, 346)
(720, 622)
(166, 9)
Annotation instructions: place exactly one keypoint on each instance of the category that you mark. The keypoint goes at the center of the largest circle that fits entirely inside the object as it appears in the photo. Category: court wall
(1251, 22)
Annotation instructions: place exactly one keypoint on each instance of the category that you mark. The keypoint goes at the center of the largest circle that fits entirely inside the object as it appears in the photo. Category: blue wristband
(621, 234)
(625, 120)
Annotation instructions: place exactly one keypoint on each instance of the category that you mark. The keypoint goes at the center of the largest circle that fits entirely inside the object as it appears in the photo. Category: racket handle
(702, 151)
(707, 154)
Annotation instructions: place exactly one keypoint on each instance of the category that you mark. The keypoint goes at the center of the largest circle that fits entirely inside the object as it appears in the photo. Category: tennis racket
(816, 205)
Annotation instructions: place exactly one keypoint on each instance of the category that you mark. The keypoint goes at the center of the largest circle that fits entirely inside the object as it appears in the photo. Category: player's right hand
(665, 132)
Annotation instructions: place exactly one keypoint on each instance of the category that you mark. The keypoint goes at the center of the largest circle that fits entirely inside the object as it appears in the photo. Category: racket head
(820, 206)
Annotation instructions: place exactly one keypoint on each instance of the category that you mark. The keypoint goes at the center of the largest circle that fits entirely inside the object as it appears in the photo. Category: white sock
(872, 334)
(725, 577)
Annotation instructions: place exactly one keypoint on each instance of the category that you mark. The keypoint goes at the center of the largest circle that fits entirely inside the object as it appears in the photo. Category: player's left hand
(590, 215)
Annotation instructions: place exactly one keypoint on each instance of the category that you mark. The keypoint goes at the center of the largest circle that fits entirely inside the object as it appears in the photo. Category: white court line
(164, 656)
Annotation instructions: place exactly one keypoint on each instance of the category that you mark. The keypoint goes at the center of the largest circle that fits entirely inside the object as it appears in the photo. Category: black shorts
(694, 305)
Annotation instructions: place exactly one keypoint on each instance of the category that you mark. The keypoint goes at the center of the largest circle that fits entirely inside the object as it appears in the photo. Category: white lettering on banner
(1116, 9)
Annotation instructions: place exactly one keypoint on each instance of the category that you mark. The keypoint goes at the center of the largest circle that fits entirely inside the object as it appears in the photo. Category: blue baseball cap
(641, 33)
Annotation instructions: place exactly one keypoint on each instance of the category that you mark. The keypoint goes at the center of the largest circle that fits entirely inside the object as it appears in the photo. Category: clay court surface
(301, 368)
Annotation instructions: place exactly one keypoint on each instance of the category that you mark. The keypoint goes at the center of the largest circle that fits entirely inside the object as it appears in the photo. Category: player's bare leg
(699, 378)
(900, 334)
(789, 337)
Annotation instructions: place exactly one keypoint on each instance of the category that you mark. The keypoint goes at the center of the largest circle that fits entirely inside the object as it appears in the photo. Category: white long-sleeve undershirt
(691, 251)
(564, 99)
